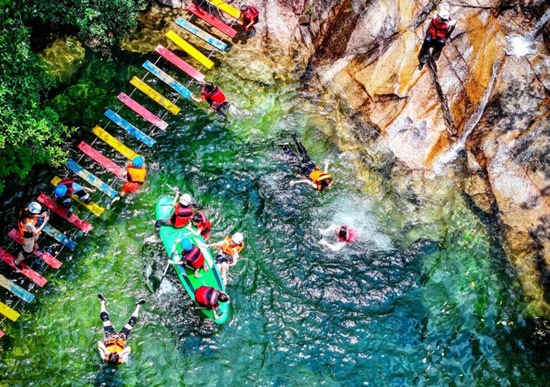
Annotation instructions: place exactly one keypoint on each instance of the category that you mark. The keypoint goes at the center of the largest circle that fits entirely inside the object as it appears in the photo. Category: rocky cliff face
(487, 97)
(484, 103)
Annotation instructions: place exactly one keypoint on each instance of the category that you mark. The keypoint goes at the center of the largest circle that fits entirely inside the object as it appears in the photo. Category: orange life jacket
(317, 176)
(136, 175)
(231, 250)
(24, 218)
(114, 345)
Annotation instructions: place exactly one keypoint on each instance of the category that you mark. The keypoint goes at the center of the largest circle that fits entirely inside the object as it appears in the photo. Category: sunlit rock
(64, 57)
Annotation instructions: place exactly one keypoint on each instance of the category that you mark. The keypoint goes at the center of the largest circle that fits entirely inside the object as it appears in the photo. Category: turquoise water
(426, 297)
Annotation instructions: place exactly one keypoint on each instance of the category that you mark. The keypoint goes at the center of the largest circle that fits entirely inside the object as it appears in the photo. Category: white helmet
(237, 238)
(185, 200)
(444, 14)
(35, 208)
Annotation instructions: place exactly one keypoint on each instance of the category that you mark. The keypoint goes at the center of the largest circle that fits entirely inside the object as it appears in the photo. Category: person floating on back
(30, 225)
(313, 175)
(191, 257)
(440, 29)
(209, 298)
(215, 98)
(230, 248)
(65, 190)
(200, 225)
(113, 349)
(135, 173)
(344, 234)
(251, 17)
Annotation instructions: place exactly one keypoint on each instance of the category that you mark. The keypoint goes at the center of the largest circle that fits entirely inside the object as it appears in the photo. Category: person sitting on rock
(251, 17)
(440, 29)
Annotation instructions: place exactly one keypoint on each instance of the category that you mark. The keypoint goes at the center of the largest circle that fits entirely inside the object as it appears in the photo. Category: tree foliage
(30, 131)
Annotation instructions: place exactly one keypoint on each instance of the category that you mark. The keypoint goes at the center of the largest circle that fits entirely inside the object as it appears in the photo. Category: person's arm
(326, 231)
(215, 314)
(88, 189)
(195, 98)
(303, 181)
(452, 25)
(327, 163)
(205, 267)
(102, 350)
(191, 229)
(124, 354)
(217, 244)
(333, 247)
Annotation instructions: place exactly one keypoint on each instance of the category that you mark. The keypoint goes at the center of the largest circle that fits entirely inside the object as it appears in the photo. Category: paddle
(174, 250)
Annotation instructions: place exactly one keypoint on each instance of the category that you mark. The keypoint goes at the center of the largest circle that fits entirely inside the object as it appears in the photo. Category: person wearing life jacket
(191, 257)
(215, 98)
(113, 349)
(30, 224)
(183, 212)
(209, 298)
(200, 225)
(344, 234)
(229, 248)
(251, 17)
(440, 29)
(135, 173)
(313, 175)
(65, 190)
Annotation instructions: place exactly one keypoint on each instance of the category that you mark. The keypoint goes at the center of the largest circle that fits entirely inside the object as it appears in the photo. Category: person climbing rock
(183, 212)
(251, 17)
(30, 224)
(313, 175)
(200, 225)
(65, 190)
(113, 349)
(135, 173)
(440, 29)
(230, 248)
(209, 298)
(344, 234)
(191, 257)
(215, 98)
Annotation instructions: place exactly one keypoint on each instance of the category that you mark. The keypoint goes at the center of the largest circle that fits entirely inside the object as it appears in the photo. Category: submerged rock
(64, 57)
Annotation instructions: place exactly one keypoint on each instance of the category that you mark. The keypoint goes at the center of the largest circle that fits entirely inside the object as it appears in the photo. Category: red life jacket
(194, 257)
(68, 182)
(204, 226)
(251, 13)
(181, 216)
(215, 95)
(439, 28)
(207, 296)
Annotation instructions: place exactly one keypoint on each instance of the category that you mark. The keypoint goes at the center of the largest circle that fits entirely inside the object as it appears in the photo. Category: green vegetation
(32, 133)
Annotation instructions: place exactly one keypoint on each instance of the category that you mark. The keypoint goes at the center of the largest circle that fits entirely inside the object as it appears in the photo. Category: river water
(425, 297)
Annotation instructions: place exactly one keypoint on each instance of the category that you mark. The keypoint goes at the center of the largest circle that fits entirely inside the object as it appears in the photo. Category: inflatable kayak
(169, 236)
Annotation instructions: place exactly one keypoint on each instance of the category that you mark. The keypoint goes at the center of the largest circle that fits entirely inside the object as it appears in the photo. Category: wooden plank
(90, 178)
(1, 334)
(228, 9)
(106, 163)
(59, 236)
(94, 208)
(179, 63)
(114, 143)
(188, 48)
(154, 95)
(26, 271)
(167, 79)
(122, 123)
(142, 111)
(62, 211)
(16, 289)
(218, 24)
(43, 255)
(8, 312)
(190, 27)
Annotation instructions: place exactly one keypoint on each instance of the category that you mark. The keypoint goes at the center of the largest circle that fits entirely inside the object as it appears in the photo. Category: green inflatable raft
(169, 235)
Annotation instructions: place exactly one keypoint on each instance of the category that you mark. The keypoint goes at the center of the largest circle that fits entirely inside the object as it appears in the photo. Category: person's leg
(108, 328)
(438, 47)
(84, 196)
(423, 55)
(125, 332)
(161, 222)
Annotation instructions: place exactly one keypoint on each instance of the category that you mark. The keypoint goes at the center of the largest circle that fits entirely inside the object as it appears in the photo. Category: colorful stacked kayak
(169, 236)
